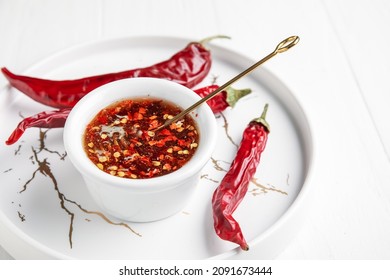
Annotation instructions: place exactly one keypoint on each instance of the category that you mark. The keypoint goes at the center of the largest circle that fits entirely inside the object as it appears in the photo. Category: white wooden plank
(194, 19)
(343, 91)
(32, 30)
(366, 51)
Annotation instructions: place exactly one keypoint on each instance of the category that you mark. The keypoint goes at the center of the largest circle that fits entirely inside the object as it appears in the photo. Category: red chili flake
(138, 116)
(182, 142)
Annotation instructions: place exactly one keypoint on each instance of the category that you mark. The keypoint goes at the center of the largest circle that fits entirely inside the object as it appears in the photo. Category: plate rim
(296, 206)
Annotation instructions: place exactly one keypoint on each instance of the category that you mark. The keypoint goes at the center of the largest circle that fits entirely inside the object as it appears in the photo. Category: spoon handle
(281, 47)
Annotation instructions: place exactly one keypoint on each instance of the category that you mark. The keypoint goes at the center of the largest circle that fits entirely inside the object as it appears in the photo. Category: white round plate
(46, 211)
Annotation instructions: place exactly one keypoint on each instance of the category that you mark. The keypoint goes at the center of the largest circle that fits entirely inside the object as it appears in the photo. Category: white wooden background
(340, 73)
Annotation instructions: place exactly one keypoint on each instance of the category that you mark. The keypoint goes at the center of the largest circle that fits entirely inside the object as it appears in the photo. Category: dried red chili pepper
(57, 118)
(234, 185)
(187, 67)
(226, 98)
(47, 119)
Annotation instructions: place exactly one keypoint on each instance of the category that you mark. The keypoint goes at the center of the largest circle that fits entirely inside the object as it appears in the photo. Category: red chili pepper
(187, 67)
(226, 98)
(57, 118)
(48, 119)
(234, 185)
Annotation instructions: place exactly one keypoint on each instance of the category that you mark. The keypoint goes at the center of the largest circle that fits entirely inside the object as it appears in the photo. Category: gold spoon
(281, 47)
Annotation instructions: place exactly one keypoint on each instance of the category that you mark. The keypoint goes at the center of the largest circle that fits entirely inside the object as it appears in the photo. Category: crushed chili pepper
(234, 185)
(227, 98)
(187, 67)
(46, 119)
(57, 118)
(120, 142)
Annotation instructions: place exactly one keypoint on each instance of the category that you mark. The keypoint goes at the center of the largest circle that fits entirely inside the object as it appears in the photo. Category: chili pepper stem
(233, 95)
(208, 39)
(262, 119)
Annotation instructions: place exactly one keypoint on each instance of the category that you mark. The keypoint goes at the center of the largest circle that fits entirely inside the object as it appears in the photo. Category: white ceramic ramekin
(139, 200)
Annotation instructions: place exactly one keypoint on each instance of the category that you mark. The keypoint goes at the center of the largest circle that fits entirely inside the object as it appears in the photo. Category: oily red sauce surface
(119, 141)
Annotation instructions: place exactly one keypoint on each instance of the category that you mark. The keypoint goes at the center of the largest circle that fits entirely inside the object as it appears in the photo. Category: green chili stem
(233, 95)
(262, 119)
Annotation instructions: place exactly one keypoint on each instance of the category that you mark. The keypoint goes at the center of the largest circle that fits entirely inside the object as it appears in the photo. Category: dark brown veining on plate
(217, 166)
(21, 216)
(17, 151)
(42, 147)
(44, 169)
(206, 176)
(226, 127)
(104, 217)
(214, 79)
(264, 189)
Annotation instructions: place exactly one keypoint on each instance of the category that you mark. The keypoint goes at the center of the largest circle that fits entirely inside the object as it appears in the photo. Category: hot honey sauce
(119, 140)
